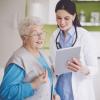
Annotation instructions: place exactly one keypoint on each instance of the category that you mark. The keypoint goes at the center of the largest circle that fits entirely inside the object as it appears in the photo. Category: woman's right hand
(40, 79)
(56, 97)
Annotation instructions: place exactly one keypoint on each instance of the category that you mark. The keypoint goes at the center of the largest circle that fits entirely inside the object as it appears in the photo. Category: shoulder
(85, 37)
(83, 33)
(18, 53)
(16, 57)
(55, 33)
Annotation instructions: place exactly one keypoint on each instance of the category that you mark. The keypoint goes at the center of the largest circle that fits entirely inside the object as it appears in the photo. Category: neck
(33, 51)
(65, 33)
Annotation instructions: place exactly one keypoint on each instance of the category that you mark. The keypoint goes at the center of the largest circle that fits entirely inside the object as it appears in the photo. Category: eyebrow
(61, 16)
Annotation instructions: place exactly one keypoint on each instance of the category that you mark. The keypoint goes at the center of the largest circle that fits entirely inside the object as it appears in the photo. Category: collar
(70, 33)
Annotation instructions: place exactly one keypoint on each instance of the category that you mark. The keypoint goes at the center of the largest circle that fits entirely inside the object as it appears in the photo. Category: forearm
(17, 91)
(12, 85)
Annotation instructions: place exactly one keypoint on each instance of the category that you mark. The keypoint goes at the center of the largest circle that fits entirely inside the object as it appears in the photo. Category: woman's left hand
(75, 65)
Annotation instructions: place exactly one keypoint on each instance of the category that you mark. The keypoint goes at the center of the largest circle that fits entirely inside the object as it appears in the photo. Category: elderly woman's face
(36, 38)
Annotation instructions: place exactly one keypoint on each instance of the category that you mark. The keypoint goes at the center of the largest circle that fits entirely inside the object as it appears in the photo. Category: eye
(67, 18)
(59, 18)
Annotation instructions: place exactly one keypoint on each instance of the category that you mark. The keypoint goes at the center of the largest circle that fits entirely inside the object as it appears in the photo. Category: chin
(63, 28)
(40, 46)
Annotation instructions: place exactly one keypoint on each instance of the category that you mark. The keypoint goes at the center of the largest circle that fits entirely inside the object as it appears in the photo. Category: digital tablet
(63, 56)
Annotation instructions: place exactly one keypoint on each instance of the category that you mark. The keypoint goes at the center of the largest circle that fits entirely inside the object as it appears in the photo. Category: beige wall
(11, 11)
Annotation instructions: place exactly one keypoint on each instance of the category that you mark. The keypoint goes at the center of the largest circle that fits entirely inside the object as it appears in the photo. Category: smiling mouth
(62, 26)
(39, 42)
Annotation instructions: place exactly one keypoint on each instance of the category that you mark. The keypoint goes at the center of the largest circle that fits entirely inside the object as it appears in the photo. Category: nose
(62, 21)
(40, 36)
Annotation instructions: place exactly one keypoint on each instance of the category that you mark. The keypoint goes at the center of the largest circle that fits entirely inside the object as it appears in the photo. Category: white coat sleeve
(90, 54)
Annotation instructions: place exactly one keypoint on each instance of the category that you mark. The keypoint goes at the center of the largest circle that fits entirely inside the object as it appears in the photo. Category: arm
(89, 68)
(55, 96)
(90, 52)
(12, 86)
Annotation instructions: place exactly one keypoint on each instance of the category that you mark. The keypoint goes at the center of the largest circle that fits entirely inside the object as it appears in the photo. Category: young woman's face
(36, 39)
(64, 20)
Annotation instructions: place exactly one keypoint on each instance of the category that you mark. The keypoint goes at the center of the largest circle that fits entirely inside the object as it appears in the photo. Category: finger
(42, 73)
(76, 61)
(44, 76)
(72, 69)
(41, 79)
(53, 97)
(41, 76)
(46, 73)
(56, 97)
(73, 65)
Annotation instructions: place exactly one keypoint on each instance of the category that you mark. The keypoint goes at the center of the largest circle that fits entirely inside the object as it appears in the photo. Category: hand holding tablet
(63, 56)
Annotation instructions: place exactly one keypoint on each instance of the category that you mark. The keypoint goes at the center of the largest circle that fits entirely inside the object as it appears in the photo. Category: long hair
(70, 7)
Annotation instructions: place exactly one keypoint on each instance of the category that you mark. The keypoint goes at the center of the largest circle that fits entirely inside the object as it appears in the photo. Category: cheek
(58, 22)
(69, 23)
(33, 42)
(43, 38)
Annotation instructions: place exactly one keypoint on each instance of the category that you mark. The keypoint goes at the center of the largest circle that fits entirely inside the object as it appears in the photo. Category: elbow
(7, 93)
(4, 93)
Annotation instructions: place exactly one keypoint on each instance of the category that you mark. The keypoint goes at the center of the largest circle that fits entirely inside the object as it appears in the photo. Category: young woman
(28, 74)
(77, 84)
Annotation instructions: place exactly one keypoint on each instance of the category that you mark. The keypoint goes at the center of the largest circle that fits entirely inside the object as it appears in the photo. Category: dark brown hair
(70, 7)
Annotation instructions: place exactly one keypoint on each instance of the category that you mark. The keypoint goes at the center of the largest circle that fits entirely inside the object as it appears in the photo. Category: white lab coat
(82, 85)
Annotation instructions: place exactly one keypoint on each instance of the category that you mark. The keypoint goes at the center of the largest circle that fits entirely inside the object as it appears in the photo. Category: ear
(24, 39)
(74, 17)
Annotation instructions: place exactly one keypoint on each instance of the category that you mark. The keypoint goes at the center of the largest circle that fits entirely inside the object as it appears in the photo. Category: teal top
(43, 62)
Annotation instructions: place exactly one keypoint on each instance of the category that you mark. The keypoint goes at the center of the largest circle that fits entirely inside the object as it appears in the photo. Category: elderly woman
(28, 74)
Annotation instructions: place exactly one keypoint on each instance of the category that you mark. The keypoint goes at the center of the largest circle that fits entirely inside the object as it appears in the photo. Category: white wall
(39, 8)
(52, 17)
(97, 83)
(96, 36)
(10, 12)
(45, 9)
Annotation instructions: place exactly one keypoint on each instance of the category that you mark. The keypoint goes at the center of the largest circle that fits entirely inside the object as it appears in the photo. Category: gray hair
(26, 25)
